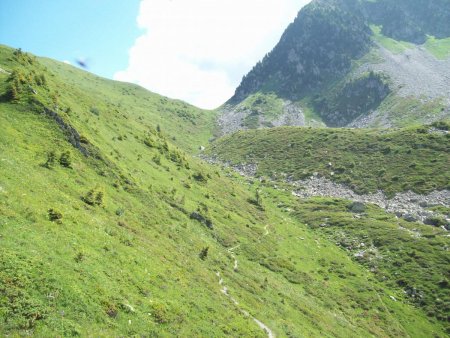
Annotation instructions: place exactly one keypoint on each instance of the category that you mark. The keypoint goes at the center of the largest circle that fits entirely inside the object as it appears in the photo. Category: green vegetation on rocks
(414, 159)
(322, 56)
(388, 247)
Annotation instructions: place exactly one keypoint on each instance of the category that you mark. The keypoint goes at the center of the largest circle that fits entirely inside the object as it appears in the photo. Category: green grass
(409, 111)
(129, 265)
(85, 93)
(390, 44)
(365, 160)
(269, 105)
(388, 247)
(440, 48)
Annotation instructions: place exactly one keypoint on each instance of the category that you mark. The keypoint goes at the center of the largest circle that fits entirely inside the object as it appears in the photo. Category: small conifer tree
(204, 253)
(66, 159)
(51, 159)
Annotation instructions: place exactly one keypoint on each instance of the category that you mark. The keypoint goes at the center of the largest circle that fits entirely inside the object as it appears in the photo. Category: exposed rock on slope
(408, 205)
(236, 118)
(340, 62)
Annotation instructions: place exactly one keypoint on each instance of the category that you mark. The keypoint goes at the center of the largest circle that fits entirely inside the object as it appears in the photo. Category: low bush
(66, 159)
(94, 197)
(55, 215)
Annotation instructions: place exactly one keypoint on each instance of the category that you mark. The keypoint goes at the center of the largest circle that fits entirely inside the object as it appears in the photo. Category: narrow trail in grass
(224, 290)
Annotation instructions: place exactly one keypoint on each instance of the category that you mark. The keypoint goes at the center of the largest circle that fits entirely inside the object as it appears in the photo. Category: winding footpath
(224, 290)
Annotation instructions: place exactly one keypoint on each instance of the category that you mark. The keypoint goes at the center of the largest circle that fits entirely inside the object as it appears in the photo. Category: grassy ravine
(365, 160)
(106, 245)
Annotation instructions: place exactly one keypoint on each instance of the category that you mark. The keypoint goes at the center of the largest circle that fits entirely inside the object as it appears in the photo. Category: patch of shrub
(200, 177)
(150, 142)
(66, 159)
(79, 257)
(95, 111)
(160, 313)
(204, 253)
(111, 310)
(94, 197)
(84, 139)
(157, 159)
(202, 219)
(51, 160)
(356, 207)
(55, 215)
(436, 221)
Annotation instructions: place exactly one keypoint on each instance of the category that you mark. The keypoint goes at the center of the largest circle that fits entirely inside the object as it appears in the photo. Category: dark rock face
(313, 59)
(354, 98)
(316, 48)
(72, 134)
(202, 219)
(410, 20)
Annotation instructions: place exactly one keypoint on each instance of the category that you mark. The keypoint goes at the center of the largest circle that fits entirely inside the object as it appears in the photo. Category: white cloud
(198, 50)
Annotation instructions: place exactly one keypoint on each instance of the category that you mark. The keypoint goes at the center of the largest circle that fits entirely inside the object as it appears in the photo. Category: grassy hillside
(414, 159)
(108, 228)
(387, 246)
(91, 101)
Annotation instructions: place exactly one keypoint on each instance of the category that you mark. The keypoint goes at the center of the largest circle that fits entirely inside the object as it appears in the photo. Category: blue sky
(194, 50)
(102, 31)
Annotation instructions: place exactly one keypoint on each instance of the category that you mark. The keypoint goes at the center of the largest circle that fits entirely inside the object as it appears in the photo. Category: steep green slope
(347, 62)
(388, 247)
(414, 159)
(109, 229)
(91, 100)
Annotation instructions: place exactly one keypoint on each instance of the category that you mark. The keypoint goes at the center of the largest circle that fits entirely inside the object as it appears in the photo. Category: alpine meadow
(315, 202)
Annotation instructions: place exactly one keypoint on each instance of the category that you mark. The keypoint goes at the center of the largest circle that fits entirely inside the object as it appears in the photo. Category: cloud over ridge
(198, 50)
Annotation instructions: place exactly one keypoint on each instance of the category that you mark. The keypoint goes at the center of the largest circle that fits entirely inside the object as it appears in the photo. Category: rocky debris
(292, 116)
(414, 73)
(246, 169)
(71, 133)
(438, 131)
(232, 118)
(408, 205)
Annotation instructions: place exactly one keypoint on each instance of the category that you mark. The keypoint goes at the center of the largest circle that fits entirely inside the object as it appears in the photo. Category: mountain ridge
(129, 239)
(319, 60)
